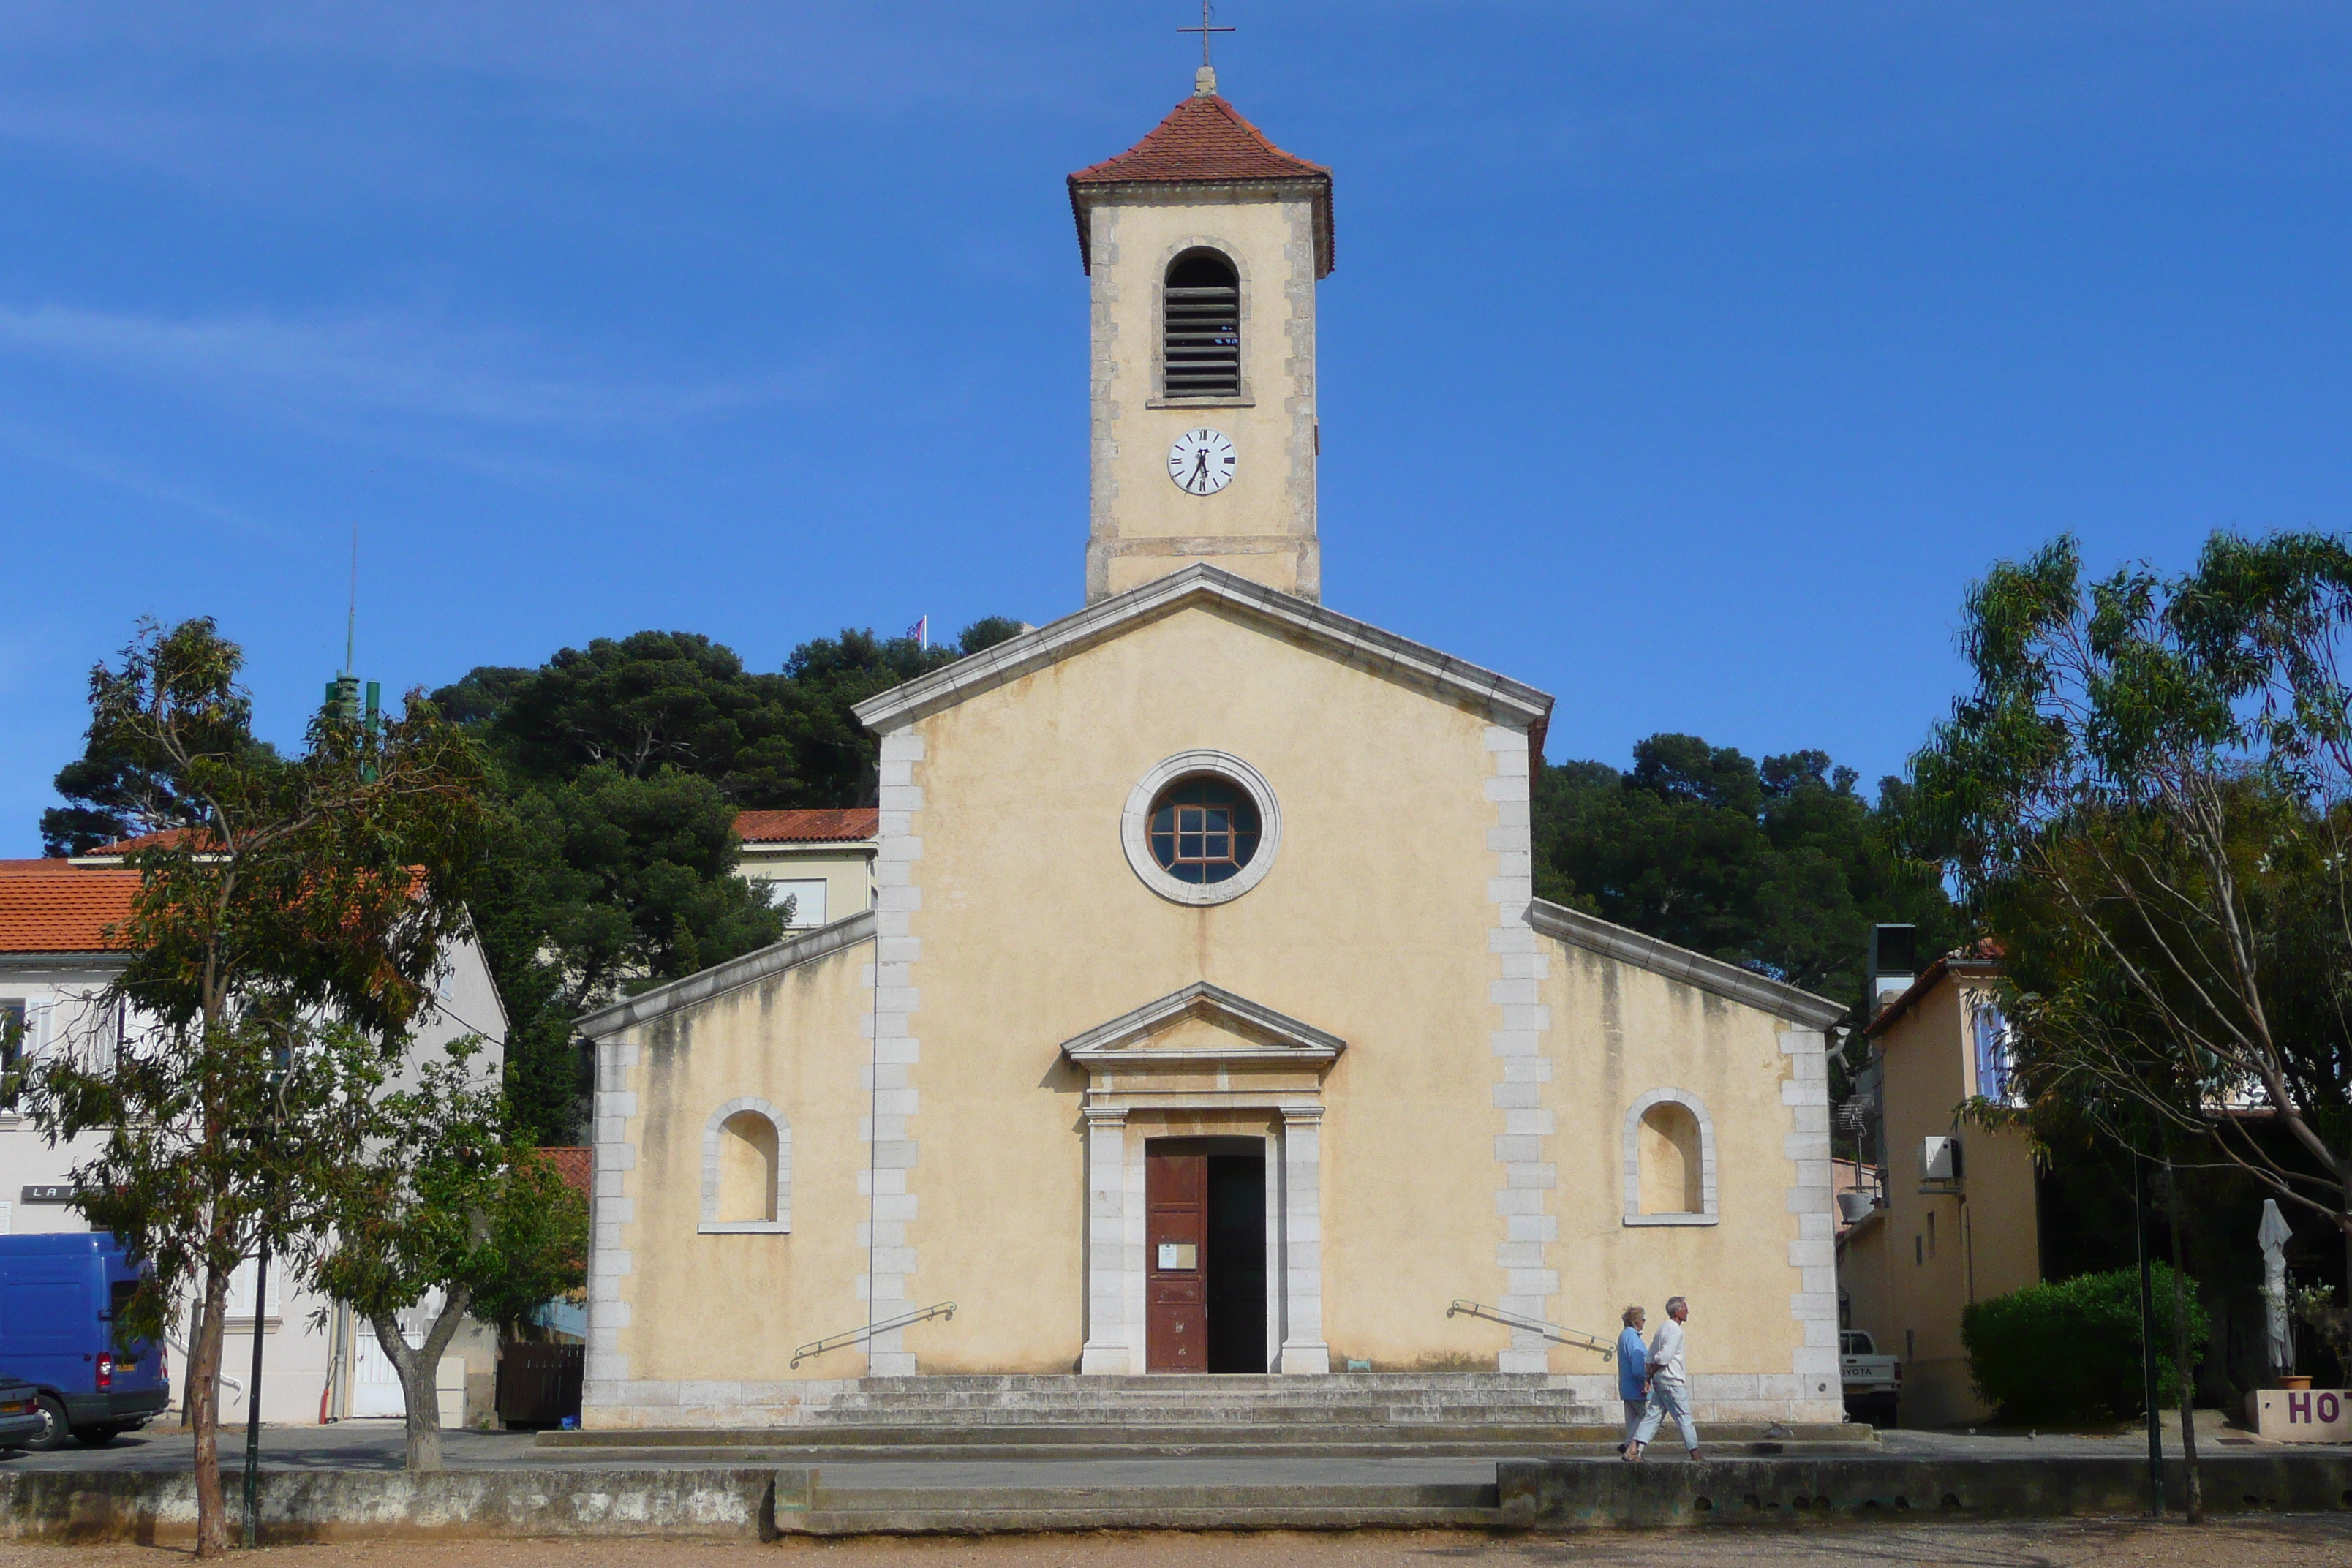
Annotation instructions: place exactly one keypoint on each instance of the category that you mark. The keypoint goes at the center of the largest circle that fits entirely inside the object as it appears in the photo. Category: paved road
(379, 1445)
(2279, 1542)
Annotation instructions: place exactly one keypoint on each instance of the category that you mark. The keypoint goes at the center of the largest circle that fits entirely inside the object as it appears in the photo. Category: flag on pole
(921, 632)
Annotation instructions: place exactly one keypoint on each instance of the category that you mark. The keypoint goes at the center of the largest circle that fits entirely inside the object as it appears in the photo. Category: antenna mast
(352, 616)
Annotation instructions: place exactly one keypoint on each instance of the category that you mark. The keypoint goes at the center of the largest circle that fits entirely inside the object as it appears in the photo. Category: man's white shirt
(1666, 1353)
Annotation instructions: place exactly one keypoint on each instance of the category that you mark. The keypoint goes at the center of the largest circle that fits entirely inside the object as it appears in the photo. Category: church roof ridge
(1662, 957)
(1354, 642)
(1205, 139)
(735, 973)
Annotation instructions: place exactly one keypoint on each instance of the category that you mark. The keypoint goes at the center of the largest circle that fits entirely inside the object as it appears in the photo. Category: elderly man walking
(1669, 1384)
(1632, 1374)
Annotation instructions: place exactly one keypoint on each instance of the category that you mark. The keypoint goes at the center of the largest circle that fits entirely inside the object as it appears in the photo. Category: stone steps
(1563, 1414)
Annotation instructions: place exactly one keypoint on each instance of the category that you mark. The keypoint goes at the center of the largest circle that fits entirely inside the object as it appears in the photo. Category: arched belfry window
(1200, 327)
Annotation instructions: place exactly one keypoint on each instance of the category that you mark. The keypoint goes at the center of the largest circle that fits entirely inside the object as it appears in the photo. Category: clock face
(1202, 462)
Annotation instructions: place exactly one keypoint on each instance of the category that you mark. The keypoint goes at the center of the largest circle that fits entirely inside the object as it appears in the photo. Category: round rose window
(1203, 829)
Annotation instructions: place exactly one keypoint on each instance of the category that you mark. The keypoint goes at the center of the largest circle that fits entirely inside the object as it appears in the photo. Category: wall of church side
(690, 1328)
(1262, 525)
(1375, 923)
(1759, 1273)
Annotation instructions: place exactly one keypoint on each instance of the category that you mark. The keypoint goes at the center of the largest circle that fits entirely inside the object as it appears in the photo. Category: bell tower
(1202, 244)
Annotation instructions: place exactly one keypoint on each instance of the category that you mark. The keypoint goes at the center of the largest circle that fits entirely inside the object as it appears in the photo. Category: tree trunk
(196, 1322)
(204, 1399)
(2193, 1505)
(418, 1369)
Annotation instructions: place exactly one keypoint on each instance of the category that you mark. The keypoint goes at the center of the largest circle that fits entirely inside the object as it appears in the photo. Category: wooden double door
(1204, 1255)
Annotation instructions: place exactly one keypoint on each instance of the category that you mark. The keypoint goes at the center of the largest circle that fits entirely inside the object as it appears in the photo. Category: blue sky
(1685, 360)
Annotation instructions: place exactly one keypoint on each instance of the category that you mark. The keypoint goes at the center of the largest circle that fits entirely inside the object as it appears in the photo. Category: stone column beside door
(1106, 1349)
(1303, 1350)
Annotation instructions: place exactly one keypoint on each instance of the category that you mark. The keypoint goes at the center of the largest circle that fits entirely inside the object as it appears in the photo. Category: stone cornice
(733, 975)
(1358, 643)
(1107, 1044)
(1726, 980)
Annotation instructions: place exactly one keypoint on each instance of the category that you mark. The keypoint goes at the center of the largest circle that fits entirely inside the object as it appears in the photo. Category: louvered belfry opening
(1202, 327)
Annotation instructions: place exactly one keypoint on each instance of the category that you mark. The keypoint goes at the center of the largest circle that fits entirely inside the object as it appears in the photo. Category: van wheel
(96, 1436)
(53, 1433)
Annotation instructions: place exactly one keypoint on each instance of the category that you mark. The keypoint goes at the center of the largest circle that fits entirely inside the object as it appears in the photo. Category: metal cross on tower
(1207, 12)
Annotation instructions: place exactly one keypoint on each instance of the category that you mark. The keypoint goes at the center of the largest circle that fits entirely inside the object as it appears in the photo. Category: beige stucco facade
(829, 881)
(1910, 1269)
(1446, 1077)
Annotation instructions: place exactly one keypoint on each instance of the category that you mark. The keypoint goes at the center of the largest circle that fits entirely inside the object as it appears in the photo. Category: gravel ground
(2273, 1543)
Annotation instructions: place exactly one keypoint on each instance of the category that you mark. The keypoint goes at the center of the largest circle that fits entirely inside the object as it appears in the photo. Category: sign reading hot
(2304, 1415)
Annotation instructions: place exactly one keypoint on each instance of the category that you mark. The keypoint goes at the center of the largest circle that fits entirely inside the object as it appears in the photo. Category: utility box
(1940, 1159)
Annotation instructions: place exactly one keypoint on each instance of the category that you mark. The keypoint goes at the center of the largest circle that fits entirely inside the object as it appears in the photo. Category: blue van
(58, 1296)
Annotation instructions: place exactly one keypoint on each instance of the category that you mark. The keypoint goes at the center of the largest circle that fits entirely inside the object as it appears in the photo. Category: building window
(1931, 1235)
(1203, 829)
(1992, 1042)
(1201, 327)
(1670, 1176)
(12, 1048)
(747, 1169)
(807, 896)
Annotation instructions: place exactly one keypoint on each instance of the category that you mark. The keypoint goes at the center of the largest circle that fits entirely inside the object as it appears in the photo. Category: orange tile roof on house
(165, 838)
(63, 909)
(577, 1167)
(823, 826)
(1204, 140)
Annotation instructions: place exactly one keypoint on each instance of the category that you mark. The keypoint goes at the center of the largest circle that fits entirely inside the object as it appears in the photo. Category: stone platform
(1359, 1414)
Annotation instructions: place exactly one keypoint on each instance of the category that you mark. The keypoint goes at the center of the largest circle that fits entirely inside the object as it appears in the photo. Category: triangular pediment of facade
(1202, 1026)
(1294, 620)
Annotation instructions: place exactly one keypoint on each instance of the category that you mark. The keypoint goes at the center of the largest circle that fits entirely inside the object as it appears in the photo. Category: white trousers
(1633, 1408)
(1666, 1399)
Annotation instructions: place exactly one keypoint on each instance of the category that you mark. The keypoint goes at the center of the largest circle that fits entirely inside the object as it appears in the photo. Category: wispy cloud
(61, 449)
(371, 365)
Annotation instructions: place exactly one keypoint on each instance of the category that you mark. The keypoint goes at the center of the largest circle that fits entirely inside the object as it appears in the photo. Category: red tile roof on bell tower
(1205, 140)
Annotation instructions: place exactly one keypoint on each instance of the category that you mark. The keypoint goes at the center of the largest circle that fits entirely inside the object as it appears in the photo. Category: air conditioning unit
(1940, 1159)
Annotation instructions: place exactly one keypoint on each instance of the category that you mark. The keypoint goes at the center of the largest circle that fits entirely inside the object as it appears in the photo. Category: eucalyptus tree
(289, 890)
(2148, 798)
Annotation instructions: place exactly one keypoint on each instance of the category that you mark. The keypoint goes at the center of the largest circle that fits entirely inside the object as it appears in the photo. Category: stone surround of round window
(1203, 828)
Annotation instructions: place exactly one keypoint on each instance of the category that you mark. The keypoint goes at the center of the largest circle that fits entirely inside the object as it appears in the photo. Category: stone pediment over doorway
(1201, 1029)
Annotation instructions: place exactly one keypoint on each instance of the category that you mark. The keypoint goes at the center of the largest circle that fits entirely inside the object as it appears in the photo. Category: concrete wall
(1262, 525)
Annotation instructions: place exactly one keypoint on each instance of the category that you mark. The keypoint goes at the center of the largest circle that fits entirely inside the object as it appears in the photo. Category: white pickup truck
(1873, 1383)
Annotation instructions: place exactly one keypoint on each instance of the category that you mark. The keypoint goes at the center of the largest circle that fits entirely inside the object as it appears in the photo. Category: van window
(118, 1305)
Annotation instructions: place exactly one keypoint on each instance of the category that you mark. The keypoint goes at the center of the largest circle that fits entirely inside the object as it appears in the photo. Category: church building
(1204, 1020)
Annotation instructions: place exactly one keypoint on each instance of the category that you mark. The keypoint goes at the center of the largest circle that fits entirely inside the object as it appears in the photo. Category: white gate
(375, 1383)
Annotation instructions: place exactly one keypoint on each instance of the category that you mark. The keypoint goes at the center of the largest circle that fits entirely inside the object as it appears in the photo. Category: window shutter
(1201, 327)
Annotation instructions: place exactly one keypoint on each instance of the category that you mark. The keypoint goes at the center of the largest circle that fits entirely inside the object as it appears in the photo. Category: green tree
(2148, 797)
(1781, 867)
(620, 769)
(442, 1203)
(320, 885)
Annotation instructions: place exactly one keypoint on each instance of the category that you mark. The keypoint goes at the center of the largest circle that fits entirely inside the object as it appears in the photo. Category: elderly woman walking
(1632, 1373)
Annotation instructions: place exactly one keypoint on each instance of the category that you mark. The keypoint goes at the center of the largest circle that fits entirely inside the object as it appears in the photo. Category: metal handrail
(1551, 1332)
(818, 1347)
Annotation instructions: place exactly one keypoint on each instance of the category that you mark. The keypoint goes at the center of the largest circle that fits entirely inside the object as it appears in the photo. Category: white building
(318, 1361)
(821, 859)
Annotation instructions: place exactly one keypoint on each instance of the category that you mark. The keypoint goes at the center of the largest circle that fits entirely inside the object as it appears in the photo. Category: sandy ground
(2271, 1541)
